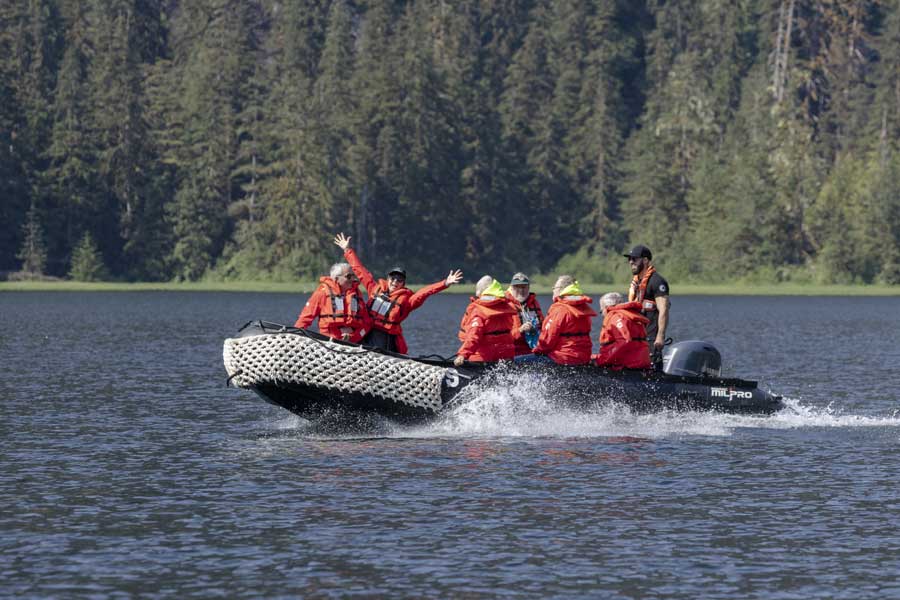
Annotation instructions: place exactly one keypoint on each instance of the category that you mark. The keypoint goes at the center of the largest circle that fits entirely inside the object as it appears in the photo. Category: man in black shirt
(650, 289)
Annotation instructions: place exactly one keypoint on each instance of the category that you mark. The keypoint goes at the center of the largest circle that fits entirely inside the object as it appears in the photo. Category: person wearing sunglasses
(651, 290)
(390, 301)
(338, 305)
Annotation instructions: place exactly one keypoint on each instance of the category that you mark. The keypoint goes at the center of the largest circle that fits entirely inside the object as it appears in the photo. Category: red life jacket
(485, 330)
(623, 339)
(638, 290)
(529, 309)
(389, 309)
(566, 334)
(386, 308)
(336, 311)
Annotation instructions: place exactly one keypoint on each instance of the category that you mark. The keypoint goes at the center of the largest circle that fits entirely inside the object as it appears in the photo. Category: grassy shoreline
(302, 287)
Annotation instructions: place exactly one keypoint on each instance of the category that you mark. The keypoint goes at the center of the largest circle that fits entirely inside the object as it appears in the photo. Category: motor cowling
(693, 358)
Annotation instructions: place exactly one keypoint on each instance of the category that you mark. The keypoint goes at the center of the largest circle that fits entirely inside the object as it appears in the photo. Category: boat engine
(693, 358)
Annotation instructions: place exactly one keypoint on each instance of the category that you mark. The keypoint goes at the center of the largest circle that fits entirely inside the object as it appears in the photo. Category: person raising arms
(390, 301)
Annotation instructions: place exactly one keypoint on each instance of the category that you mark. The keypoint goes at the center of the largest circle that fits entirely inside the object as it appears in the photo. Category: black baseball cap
(639, 251)
(398, 271)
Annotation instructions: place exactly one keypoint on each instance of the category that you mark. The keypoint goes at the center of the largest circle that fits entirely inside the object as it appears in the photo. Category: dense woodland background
(752, 140)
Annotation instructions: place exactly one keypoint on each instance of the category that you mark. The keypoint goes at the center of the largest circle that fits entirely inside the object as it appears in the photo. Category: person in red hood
(566, 335)
(390, 301)
(528, 318)
(338, 305)
(485, 330)
(623, 339)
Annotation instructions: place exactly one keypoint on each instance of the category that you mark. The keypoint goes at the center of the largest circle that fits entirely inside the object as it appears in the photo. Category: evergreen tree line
(739, 139)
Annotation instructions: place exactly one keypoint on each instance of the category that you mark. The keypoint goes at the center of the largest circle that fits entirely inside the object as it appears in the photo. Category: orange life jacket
(566, 334)
(638, 290)
(528, 310)
(623, 339)
(336, 311)
(485, 330)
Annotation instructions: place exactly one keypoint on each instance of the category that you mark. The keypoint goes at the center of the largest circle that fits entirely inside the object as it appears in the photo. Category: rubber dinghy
(314, 377)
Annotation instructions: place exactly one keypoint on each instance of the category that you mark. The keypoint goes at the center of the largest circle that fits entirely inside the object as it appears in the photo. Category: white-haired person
(623, 339)
(338, 305)
(528, 318)
(485, 330)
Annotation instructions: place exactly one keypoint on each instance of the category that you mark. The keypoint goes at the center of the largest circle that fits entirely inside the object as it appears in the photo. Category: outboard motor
(693, 358)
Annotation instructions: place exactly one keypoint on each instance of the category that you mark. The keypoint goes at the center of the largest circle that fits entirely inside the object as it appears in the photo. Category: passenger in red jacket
(623, 339)
(485, 330)
(566, 335)
(528, 318)
(390, 301)
(338, 305)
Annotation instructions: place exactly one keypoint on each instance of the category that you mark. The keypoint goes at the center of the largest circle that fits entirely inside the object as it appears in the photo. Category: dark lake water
(127, 469)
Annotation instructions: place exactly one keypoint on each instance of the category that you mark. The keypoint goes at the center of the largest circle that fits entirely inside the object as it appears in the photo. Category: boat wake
(528, 409)
(525, 410)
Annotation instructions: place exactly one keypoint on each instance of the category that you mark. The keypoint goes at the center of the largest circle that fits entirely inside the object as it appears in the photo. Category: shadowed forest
(742, 140)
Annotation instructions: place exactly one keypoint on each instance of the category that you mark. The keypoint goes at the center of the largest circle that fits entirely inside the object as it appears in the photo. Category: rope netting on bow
(289, 358)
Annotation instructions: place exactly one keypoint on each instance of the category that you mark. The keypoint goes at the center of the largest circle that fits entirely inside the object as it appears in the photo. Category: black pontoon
(314, 377)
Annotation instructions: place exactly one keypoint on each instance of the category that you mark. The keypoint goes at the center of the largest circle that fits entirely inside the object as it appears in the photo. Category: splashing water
(516, 406)
(526, 409)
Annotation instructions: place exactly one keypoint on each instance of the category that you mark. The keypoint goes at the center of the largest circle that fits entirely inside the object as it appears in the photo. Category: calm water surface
(127, 469)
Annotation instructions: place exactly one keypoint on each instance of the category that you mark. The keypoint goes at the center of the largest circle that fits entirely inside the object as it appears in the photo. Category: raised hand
(342, 241)
(458, 361)
(454, 277)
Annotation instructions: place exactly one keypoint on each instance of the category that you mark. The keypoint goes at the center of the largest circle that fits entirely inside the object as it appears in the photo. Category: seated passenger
(338, 305)
(390, 301)
(485, 328)
(623, 339)
(566, 334)
(528, 318)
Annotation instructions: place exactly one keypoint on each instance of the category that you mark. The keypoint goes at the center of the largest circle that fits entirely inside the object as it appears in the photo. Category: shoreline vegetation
(754, 142)
(305, 287)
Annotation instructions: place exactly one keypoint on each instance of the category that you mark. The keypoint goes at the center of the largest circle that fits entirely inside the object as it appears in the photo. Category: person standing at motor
(529, 317)
(390, 301)
(650, 289)
(338, 305)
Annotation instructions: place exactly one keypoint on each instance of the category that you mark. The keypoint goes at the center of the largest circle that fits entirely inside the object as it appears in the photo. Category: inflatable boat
(315, 377)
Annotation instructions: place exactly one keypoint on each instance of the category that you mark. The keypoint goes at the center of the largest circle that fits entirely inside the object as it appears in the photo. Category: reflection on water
(128, 469)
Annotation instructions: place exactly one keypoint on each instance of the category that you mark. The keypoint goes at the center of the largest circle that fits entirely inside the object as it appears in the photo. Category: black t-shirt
(656, 287)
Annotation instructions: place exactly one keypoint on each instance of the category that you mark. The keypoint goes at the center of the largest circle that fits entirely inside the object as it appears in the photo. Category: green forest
(161, 140)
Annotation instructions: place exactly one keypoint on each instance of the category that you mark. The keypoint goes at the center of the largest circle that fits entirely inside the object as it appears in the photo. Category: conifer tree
(29, 53)
(87, 262)
(218, 58)
(71, 177)
(125, 155)
(33, 252)
(473, 47)
(373, 130)
(333, 107)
